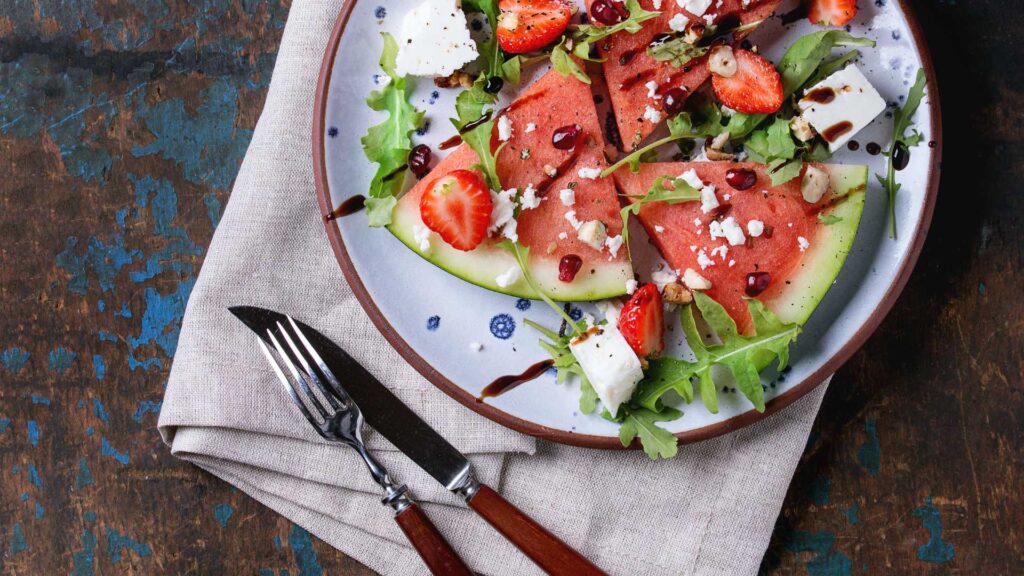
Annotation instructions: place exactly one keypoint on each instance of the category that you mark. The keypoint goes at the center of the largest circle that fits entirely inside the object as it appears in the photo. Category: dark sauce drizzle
(349, 206)
(505, 383)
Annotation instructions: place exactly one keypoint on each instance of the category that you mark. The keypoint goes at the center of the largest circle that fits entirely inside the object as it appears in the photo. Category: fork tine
(308, 372)
(331, 378)
(289, 387)
(299, 377)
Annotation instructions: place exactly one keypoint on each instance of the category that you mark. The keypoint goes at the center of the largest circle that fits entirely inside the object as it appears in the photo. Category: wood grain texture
(431, 545)
(121, 128)
(544, 548)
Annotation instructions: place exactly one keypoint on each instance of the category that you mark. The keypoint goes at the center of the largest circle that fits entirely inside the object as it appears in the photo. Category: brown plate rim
(585, 440)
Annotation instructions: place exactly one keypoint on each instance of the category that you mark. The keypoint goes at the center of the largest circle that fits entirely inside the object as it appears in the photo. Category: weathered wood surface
(121, 128)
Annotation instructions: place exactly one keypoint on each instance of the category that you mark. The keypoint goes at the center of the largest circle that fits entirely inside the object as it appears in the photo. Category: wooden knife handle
(541, 546)
(437, 554)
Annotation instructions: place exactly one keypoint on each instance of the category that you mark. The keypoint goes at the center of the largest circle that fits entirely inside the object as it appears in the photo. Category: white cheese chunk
(589, 173)
(434, 40)
(708, 200)
(803, 243)
(592, 233)
(652, 89)
(691, 178)
(652, 114)
(851, 100)
(733, 231)
(613, 243)
(573, 220)
(611, 366)
(504, 128)
(567, 196)
(529, 199)
(703, 260)
(508, 277)
(530, 127)
(678, 23)
(695, 7)
(662, 278)
(611, 308)
(630, 287)
(694, 281)
(421, 234)
(755, 228)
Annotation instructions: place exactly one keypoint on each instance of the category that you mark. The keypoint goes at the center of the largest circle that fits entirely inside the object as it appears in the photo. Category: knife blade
(389, 416)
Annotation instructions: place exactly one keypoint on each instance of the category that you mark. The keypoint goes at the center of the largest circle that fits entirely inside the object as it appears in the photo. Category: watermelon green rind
(822, 262)
(486, 262)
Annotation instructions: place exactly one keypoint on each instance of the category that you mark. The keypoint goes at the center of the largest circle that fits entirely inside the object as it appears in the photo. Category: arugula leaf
(578, 40)
(471, 105)
(797, 66)
(678, 52)
(744, 356)
(488, 47)
(656, 441)
(388, 143)
(565, 364)
(668, 189)
(901, 143)
(774, 146)
(522, 256)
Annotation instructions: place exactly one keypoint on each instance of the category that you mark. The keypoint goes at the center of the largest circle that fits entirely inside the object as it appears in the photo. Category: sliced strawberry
(755, 87)
(529, 25)
(458, 207)
(642, 323)
(831, 12)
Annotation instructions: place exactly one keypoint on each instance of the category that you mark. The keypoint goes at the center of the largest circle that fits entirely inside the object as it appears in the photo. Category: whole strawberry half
(457, 206)
(754, 88)
(529, 25)
(642, 322)
(831, 12)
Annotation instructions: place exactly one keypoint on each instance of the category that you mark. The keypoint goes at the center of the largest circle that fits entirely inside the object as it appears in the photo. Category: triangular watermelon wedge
(628, 68)
(802, 254)
(530, 158)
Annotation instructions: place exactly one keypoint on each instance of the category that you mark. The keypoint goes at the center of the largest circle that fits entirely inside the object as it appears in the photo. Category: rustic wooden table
(121, 128)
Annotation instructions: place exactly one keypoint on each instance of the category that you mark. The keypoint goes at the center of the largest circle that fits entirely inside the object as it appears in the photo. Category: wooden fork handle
(544, 548)
(437, 553)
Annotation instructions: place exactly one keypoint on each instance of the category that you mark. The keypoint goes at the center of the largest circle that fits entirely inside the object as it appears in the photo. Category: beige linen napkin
(709, 511)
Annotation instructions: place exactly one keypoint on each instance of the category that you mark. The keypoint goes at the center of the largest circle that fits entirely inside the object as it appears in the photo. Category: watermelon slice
(801, 253)
(628, 68)
(530, 158)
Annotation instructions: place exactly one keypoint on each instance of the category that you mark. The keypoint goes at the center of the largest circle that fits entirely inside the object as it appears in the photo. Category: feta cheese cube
(567, 196)
(755, 228)
(573, 221)
(694, 281)
(691, 178)
(841, 105)
(434, 40)
(733, 232)
(803, 243)
(658, 228)
(610, 365)
(695, 7)
(529, 199)
(530, 127)
(613, 243)
(589, 173)
(631, 286)
(708, 200)
(592, 233)
(678, 23)
(652, 89)
(703, 260)
(652, 114)
(504, 128)
(610, 309)
(662, 278)
(421, 234)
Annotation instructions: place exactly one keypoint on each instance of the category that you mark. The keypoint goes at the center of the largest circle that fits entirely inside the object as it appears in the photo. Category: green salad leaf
(388, 144)
(476, 106)
(901, 143)
(744, 356)
(668, 189)
(678, 52)
(680, 126)
(565, 364)
(578, 40)
(656, 441)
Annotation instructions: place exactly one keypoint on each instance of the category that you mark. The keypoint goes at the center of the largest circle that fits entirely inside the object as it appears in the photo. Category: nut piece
(722, 62)
(550, 170)
(592, 232)
(455, 80)
(676, 293)
(694, 33)
(714, 151)
(814, 184)
(694, 281)
(801, 129)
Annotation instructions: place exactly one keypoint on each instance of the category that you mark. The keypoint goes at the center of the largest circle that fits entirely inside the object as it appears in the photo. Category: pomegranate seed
(741, 178)
(720, 211)
(757, 282)
(567, 137)
(675, 100)
(419, 160)
(608, 12)
(568, 267)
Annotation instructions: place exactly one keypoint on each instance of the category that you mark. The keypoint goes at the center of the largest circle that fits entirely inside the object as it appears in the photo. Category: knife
(389, 416)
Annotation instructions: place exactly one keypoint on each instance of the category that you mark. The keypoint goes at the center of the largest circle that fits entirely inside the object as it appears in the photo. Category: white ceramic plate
(432, 317)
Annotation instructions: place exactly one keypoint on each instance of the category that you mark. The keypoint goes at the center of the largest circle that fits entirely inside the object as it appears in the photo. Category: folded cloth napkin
(709, 511)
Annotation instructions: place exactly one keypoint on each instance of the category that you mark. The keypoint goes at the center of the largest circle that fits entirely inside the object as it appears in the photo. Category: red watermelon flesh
(782, 209)
(628, 67)
(551, 102)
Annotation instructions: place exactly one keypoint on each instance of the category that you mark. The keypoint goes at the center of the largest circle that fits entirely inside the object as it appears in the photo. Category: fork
(340, 420)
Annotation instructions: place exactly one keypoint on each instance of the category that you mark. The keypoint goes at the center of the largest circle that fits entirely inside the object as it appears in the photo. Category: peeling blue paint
(18, 543)
(14, 359)
(213, 208)
(107, 450)
(826, 560)
(60, 359)
(853, 514)
(33, 476)
(161, 321)
(24, 497)
(302, 548)
(124, 312)
(145, 407)
(5, 423)
(83, 561)
(83, 477)
(222, 512)
(103, 260)
(99, 366)
(117, 543)
(100, 411)
(869, 455)
(33, 432)
(40, 511)
(937, 550)
(40, 399)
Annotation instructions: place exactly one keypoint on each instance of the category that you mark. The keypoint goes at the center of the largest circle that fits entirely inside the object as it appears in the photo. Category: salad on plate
(645, 117)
